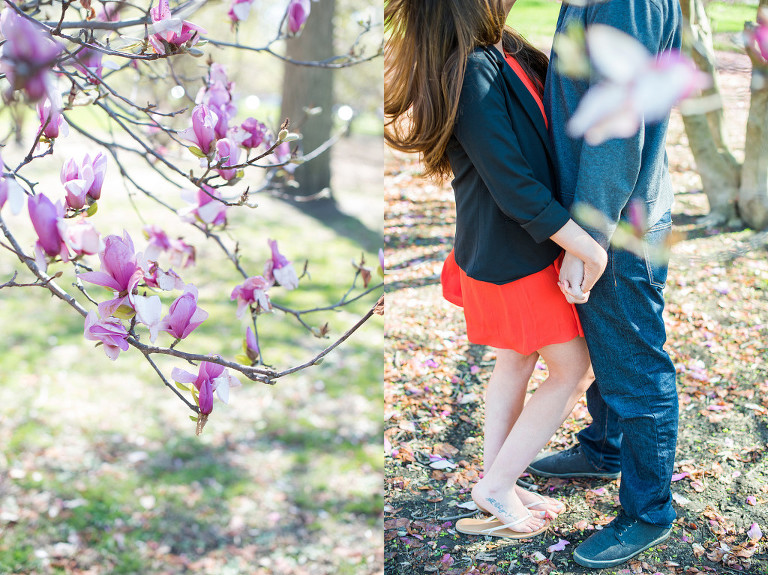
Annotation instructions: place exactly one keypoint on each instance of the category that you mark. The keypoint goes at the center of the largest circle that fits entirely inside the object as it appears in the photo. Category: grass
(729, 18)
(536, 20)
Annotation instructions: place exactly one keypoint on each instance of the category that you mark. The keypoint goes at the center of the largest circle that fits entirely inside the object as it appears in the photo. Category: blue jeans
(633, 401)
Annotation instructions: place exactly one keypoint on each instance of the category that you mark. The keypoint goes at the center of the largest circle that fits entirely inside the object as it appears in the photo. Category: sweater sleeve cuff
(547, 222)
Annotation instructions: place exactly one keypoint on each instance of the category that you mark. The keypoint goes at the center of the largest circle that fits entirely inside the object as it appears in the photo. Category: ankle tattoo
(499, 507)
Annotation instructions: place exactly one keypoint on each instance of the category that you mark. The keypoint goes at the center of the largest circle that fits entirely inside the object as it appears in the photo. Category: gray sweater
(609, 176)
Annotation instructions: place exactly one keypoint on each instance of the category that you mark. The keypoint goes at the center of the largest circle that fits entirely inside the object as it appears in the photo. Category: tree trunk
(719, 170)
(311, 87)
(753, 195)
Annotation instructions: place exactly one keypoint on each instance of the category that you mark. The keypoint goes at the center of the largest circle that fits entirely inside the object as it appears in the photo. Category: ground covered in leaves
(717, 322)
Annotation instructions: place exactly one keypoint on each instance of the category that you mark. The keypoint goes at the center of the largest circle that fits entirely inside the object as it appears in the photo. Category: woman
(463, 91)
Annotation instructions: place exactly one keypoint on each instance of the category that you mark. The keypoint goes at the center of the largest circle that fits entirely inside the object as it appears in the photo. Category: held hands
(583, 264)
(572, 279)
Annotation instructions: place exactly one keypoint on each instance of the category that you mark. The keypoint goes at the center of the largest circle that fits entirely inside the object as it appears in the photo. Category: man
(633, 401)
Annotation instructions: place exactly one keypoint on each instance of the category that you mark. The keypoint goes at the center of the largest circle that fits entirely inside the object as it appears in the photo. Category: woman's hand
(579, 245)
(572, 278)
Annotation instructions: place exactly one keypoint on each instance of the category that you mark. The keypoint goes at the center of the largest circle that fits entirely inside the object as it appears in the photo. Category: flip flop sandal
(481, 527)
(492, 518)
(543, 501)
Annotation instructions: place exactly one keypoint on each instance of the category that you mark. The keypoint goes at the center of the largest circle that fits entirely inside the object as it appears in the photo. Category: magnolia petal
(112, 351)
(599, 102)
(109, 307)
(242, 10)
(210, 211)
(623, 124)
(173, 25)
(616, 55)
(183, 376)
(101, 279)
(16, 196)
(559, 546)
(149, 311)
(221, 385)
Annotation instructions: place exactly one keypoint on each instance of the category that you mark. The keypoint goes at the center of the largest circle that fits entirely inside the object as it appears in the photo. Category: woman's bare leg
(569, 375)
(504, 399)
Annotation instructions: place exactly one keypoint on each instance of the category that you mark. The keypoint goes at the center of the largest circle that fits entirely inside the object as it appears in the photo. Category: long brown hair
(425, 59)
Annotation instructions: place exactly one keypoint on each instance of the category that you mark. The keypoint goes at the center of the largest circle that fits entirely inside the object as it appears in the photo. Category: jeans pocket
(655, 252)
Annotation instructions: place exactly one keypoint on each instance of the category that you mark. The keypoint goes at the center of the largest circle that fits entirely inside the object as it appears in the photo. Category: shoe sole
(594, 564)
(570, 475)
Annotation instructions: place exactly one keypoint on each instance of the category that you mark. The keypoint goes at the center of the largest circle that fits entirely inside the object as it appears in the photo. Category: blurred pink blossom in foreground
(636, 87)
(27, 54)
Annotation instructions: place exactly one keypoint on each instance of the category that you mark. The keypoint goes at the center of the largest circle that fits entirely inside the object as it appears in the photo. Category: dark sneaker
(568, 463)
(619, 541)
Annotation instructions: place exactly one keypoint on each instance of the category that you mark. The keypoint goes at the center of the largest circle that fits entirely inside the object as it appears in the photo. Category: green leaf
(182, 386)
(242, 359)
(124, 312)
(197, 151)
(193, 418)
(92, 209)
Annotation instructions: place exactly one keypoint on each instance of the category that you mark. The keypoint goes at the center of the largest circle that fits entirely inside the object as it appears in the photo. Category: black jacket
(503, 175)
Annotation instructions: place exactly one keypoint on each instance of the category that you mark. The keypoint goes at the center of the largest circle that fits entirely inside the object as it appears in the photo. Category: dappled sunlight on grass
(105, 472)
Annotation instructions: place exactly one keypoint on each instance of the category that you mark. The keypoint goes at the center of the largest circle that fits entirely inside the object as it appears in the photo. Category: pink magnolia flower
(217, 95)
(88, 62)
(210, 377)
(170, 32)
(27, 54)
(202, 134)
(279, 268)
(182, 254)
(252, 291)
(82, 238)
(381, 258)
(48, 221)
(184, 315)
(84, 180)
(251, 345)
(228, 154)
(637, 87)
(204, 207)
(298, 12)
(50, 112)
(164, 280)
(239, 10)
(255, 132)
(754, 532)
(110, 332)
(158, 242)
(120, 272)
(281, 155)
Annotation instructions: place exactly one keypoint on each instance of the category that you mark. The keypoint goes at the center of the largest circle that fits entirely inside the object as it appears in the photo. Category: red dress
(524, 315)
